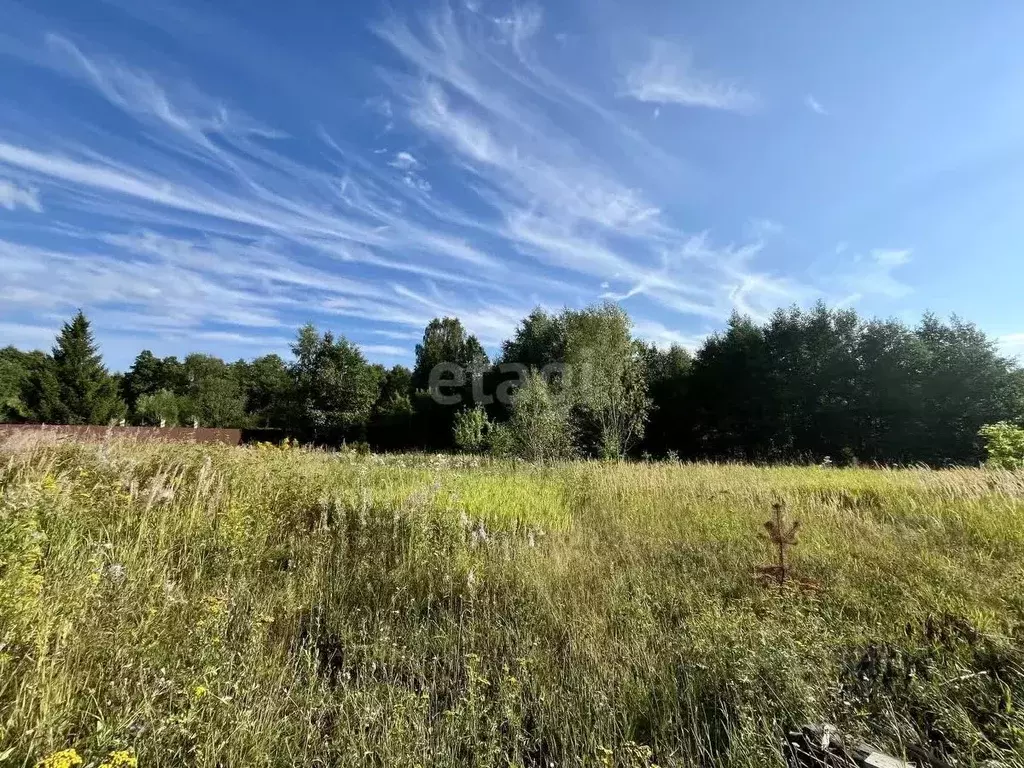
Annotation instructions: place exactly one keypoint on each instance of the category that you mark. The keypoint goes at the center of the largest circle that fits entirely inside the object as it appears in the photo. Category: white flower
(115, 572)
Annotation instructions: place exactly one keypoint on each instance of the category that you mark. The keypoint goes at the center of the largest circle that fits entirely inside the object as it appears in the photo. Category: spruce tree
(85, 393)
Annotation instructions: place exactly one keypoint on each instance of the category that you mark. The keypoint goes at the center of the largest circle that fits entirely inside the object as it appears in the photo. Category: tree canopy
(802, 385)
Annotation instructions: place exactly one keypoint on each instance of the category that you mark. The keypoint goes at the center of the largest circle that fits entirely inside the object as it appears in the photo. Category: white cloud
(873, 274)
(137, 92)
(814, 105)
(404, 161)
(12, 196)
(400, 335)
(28, 336)
(668, 76)
(386, 350)
(890, 257)
(664, 337)
(198, 220)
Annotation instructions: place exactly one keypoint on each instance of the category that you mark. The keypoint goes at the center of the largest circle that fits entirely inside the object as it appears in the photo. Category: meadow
(172, 605)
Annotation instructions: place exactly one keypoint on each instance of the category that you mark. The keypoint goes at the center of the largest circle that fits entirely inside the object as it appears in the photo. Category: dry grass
(236, 607)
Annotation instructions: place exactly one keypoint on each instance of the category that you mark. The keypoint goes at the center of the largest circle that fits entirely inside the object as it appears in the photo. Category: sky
(211, 176)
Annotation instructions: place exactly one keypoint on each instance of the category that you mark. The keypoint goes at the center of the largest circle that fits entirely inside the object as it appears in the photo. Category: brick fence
(150, 434)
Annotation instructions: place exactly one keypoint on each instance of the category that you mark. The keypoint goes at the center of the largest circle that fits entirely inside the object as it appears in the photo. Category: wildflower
(215, 606)
(66, 758)
(115, 572)
(199, 692)
(122, 758)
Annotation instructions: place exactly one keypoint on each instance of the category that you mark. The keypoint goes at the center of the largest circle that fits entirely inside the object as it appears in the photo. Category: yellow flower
(199, 691)
(122, 758)
(66, 758)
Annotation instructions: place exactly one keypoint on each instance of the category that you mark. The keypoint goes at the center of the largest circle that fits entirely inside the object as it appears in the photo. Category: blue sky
(210, 176)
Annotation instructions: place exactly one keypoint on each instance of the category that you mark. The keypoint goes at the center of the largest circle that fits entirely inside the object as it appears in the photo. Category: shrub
(159, 409)
(1004, 443)
(540, 428)
(471, 429)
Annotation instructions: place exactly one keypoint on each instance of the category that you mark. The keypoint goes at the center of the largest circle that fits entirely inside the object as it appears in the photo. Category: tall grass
(236, 607)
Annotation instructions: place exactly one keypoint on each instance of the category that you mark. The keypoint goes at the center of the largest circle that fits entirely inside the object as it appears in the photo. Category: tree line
(801, 386)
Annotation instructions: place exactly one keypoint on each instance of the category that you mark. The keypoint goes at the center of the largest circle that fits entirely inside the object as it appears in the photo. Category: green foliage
(269, 391)
(335, 387)
(150, 374)
(16, 369)
(471, 429)
(446, 341)
(801, 386)
(160, 409)
(605, 383)
(538, 341)
(1004, 445)
(810, 384)
(213, 394)
(73, 387)
(667, 373)
(540, 428)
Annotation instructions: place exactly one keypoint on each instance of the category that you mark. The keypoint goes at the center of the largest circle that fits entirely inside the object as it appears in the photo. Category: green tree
(150, 374)
(605, 379)
(213, 394)
(446, 341)
(268, 390)
(965, 385)
(667, 373)
(539, 341)
(540, 428)
(396, 384)
(159, 409)
(731, 392)
(75, 388)
(335, 387)
(888, 408)
(392, 425)
(1004, 444)
(16, 368)
(471, 429)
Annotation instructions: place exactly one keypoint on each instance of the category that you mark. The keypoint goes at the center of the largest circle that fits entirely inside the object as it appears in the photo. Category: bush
(540, 428)
(160, 409)
(471, 429)
(1004, 443)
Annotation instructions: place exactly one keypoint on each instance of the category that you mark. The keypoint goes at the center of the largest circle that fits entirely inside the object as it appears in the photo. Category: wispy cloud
(138, 92)
(814, 105)
(28, 336)
(12, 196)
(404, 161)
(387, 350)
(669, 76)
(874, 274)
(664, 337)
(485, 179)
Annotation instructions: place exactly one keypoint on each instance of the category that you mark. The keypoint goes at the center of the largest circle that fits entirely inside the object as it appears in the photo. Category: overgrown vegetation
(1004, 444)
(189, 605)
(802, 386)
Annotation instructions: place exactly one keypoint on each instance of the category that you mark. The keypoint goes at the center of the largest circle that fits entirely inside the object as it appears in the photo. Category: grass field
(211, 606)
